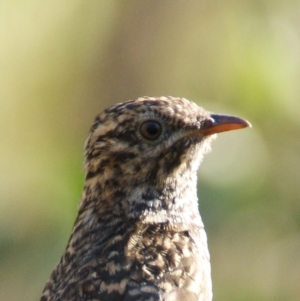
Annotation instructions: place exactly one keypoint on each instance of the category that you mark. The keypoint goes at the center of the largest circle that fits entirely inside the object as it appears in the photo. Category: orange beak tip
(217, 123)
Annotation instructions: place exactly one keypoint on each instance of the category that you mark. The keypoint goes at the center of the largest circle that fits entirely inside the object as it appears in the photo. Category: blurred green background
(62, 62)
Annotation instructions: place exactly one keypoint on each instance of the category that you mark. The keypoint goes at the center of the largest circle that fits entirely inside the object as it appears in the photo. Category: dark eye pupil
(151, 129)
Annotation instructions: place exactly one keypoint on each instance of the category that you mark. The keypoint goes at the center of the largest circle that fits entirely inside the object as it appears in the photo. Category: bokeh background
(62, 62)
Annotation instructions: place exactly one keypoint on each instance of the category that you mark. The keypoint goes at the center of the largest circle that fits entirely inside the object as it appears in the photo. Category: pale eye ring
(150, 129)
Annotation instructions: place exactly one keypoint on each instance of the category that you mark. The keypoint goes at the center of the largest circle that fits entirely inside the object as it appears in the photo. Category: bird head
(147, 150)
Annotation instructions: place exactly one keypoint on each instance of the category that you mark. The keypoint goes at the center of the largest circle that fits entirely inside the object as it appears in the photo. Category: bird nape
(138, 234)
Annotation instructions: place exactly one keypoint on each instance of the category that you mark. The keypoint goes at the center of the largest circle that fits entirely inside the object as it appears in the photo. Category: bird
(138, 235)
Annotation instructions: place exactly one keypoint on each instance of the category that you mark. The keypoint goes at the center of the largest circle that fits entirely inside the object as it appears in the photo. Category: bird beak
(216, 123)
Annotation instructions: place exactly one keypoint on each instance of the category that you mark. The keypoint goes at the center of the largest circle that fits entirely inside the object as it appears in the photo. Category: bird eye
(151, 129)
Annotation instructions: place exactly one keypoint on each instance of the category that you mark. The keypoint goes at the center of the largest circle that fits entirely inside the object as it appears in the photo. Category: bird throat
(170, 198)
(174, 203)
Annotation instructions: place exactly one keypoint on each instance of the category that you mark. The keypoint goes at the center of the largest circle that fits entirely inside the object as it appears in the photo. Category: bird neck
(105, 212)
(173, 201)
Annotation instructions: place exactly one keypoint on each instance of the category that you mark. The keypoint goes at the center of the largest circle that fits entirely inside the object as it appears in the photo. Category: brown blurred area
(62, 62)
